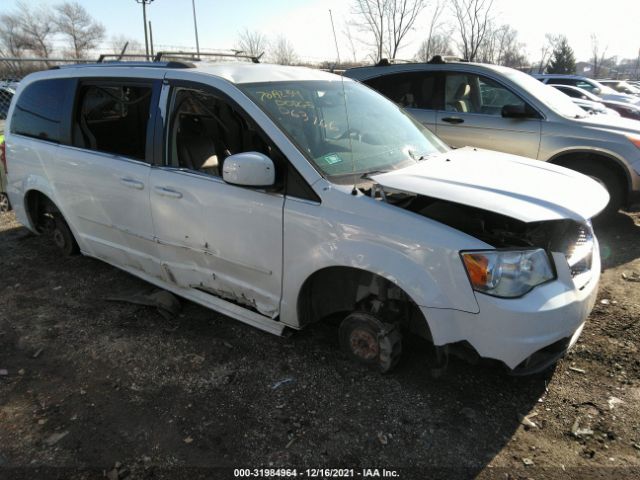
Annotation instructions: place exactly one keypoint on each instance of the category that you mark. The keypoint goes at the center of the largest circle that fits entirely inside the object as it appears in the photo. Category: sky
(306, 23)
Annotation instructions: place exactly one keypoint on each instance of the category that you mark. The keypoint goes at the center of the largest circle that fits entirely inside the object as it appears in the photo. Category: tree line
(381, 28)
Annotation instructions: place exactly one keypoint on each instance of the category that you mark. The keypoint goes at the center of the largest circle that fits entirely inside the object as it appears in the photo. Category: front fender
(428, 270)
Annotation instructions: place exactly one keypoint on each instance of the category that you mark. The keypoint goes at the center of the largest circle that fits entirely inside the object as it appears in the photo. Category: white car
(282, 195)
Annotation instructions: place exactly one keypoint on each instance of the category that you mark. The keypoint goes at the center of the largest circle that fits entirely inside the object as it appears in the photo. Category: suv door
(218, 238)
(103, 175)
(473, 115)
(420, 93)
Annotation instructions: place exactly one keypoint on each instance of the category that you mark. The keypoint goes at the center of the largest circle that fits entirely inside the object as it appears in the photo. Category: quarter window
(39, 111)
(113, 118)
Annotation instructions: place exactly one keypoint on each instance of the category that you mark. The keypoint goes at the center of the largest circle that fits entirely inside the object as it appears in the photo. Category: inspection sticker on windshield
(332, 158)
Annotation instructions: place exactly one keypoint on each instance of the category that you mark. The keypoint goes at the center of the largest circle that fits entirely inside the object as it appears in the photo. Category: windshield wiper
(416, 157)
(373, 172)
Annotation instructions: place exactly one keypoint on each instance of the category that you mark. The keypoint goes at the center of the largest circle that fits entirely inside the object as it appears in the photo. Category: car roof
(361, 73)
(234, 72)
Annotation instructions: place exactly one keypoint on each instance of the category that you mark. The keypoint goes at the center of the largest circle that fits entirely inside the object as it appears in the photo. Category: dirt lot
(87, 384)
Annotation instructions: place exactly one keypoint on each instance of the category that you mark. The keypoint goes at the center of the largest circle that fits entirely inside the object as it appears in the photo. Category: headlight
(507, 273)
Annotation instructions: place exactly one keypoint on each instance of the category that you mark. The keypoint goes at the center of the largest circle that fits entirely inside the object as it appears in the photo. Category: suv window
(407, 90)
(572, 93)
(39, 110)
(469, 93)
(113, 118)
(205, 129)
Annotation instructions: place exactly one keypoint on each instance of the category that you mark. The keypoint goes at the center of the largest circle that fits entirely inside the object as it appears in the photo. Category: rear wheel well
(583, 162)
(37, 204)
(346, 289)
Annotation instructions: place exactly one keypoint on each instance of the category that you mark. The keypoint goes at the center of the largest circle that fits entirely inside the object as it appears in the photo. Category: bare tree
(12, 41)
(36, 28)
(352, 46)
(371, 20)
(133, 46)
(251, 43)
(437, 44)
(81, 30)
(550, 43)
(428, 48)
(473, 18)
(401, 16)
(283, 52)
(501, 46)
(386, 23)
(597, 55)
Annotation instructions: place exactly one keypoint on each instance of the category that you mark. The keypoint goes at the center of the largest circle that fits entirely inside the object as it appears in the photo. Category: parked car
(591, 107)
(5, 205)
(6, 94)
(500, 108)
(626, 110)
(588, 84)
(282, 195)
(621, 86)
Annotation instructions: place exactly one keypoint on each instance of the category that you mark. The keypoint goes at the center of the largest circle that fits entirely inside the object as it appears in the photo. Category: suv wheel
(370, 341)
(5, 205)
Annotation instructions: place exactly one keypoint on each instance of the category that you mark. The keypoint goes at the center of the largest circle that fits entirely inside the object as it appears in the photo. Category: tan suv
(499, 108)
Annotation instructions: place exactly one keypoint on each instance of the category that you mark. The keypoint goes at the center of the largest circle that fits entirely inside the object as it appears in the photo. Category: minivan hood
(520, 188)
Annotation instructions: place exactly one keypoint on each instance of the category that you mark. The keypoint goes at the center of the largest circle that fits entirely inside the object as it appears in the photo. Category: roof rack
(197, 55)
(384, 62)
(439, 59)
(117, 63)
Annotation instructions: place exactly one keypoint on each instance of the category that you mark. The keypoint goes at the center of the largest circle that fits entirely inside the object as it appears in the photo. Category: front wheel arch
(345, 289)
(587, 162)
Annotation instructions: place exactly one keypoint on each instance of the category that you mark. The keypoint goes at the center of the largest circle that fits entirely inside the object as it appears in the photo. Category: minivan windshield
(552, 98)
(344, 128)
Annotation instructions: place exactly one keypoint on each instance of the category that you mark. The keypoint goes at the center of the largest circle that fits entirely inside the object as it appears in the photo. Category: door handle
(167, 192)
(454, 120)
(131, 183)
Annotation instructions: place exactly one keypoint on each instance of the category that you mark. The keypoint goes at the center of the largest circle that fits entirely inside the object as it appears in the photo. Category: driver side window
(468, 93)
(205, 129)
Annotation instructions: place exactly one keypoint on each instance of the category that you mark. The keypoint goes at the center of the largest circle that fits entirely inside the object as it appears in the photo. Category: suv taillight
(3, 156)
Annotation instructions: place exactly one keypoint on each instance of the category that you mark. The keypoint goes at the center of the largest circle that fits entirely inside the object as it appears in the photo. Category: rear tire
(62, 236)
(370, 341)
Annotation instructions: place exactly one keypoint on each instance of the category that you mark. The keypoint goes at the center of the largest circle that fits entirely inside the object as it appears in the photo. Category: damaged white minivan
(282, 195)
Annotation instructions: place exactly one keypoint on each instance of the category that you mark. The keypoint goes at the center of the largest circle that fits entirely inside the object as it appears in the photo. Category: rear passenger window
(407, 90)
(39, 111)
(113, 118)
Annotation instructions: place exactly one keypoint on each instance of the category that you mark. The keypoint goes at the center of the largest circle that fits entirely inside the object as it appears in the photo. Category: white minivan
(282, 195)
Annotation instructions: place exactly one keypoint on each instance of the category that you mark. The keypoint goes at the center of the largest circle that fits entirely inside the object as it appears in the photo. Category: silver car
(499, 108)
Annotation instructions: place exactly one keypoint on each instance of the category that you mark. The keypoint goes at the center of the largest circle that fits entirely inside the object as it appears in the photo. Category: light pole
(144, 18)
(195, 26)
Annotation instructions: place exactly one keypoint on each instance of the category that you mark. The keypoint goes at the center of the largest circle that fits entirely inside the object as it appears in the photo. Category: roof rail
(439, 59)
(170, 64)
(385, 62)
(197, 55)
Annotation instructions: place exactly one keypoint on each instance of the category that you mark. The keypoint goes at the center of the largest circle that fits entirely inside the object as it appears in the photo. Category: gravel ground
(91, 388)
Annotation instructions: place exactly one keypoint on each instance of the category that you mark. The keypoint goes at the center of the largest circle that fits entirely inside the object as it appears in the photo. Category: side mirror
(249, 169)
(517, 111)
(597, 91)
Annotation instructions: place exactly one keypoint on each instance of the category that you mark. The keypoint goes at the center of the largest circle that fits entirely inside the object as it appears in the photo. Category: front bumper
(529, 333)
